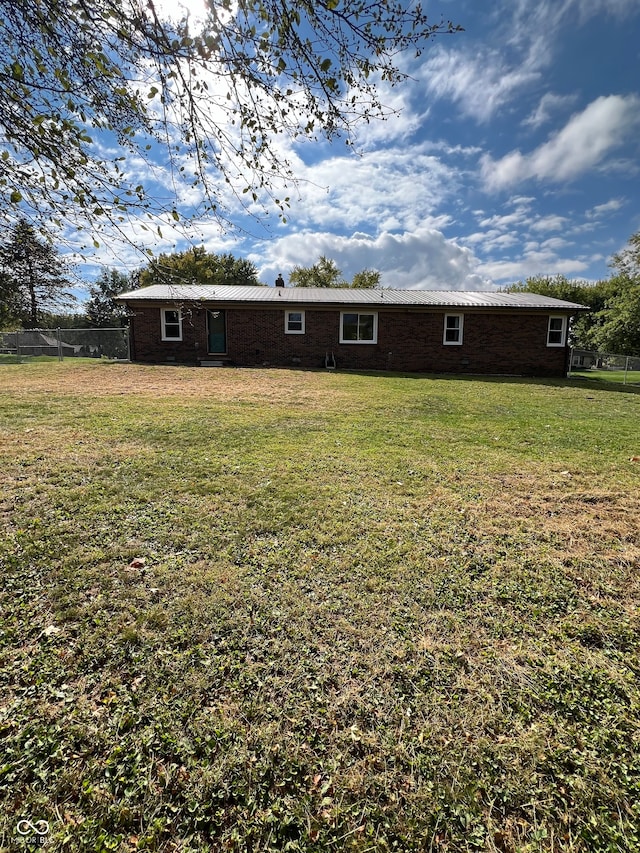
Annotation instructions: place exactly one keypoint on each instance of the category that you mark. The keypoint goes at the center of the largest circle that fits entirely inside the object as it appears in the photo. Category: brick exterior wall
(494, 342)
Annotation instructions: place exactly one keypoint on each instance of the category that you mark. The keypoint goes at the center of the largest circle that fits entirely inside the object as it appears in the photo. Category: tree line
(36, 288)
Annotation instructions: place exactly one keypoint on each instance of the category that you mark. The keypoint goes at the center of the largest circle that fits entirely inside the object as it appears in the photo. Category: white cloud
(419, 259)
(522, 242)
(482, 80)
(537, 24)
(549, 105)
(607, 207)
(506, 220)
(618, 8)
(493, 240)
(532, 263)
(402, 116)
(175, 10)
(128, 244)
(581, 145)
(553, 222)
(480, 84)
(395, 187)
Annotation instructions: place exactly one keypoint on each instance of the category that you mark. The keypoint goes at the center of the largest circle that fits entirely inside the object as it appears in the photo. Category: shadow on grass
(499, 379)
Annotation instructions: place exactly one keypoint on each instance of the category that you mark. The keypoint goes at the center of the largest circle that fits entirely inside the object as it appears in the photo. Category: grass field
(631, 377)
(12, 358)
(262, 610)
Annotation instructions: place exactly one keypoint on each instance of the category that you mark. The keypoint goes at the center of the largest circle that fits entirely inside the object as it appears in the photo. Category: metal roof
(345, 296)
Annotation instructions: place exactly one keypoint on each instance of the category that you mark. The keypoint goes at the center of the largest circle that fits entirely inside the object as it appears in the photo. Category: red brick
(503, 341)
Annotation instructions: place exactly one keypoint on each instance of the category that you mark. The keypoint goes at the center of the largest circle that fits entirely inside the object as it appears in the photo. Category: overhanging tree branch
(74, 73)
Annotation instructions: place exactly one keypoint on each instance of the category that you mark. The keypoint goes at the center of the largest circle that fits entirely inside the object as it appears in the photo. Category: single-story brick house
(361, 329)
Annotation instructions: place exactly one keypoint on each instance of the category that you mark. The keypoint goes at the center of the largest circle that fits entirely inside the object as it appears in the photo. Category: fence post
(60, 356)
(626, 367)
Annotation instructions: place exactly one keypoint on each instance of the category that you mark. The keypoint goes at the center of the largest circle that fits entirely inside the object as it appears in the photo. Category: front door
(217, 331)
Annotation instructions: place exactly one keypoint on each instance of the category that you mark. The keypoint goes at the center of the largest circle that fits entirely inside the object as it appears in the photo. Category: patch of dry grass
(105, 379)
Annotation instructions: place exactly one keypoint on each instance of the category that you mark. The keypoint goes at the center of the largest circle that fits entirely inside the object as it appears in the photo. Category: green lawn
(632, 377)
(375, 613)
(12, 358)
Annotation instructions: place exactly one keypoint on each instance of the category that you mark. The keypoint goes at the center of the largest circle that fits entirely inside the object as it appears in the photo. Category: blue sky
(516, 153)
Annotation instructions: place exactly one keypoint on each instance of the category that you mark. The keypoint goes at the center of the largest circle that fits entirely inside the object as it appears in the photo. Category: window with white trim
(453, 324)
(171, 324)
(294, 322)
(358, 328)
(557, 331)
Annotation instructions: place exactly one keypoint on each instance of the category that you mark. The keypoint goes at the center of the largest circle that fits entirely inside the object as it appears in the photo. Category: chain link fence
(28, 344)
(607, 366)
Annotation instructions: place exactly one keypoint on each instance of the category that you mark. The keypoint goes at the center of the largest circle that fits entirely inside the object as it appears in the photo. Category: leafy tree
(325, 273)
(9, 303)
(627, 262)
(583, 292)
(63, 320)
(196, 265)
(102, 309)
(34, 276)
(214, 97)
(556, 286)
(616, 326)
(366, 278)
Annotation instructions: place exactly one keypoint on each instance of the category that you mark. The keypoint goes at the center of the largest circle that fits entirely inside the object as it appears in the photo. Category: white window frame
(359, 314)
(287, 321)
(562, 330)
(459, 329)
(164, 324)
